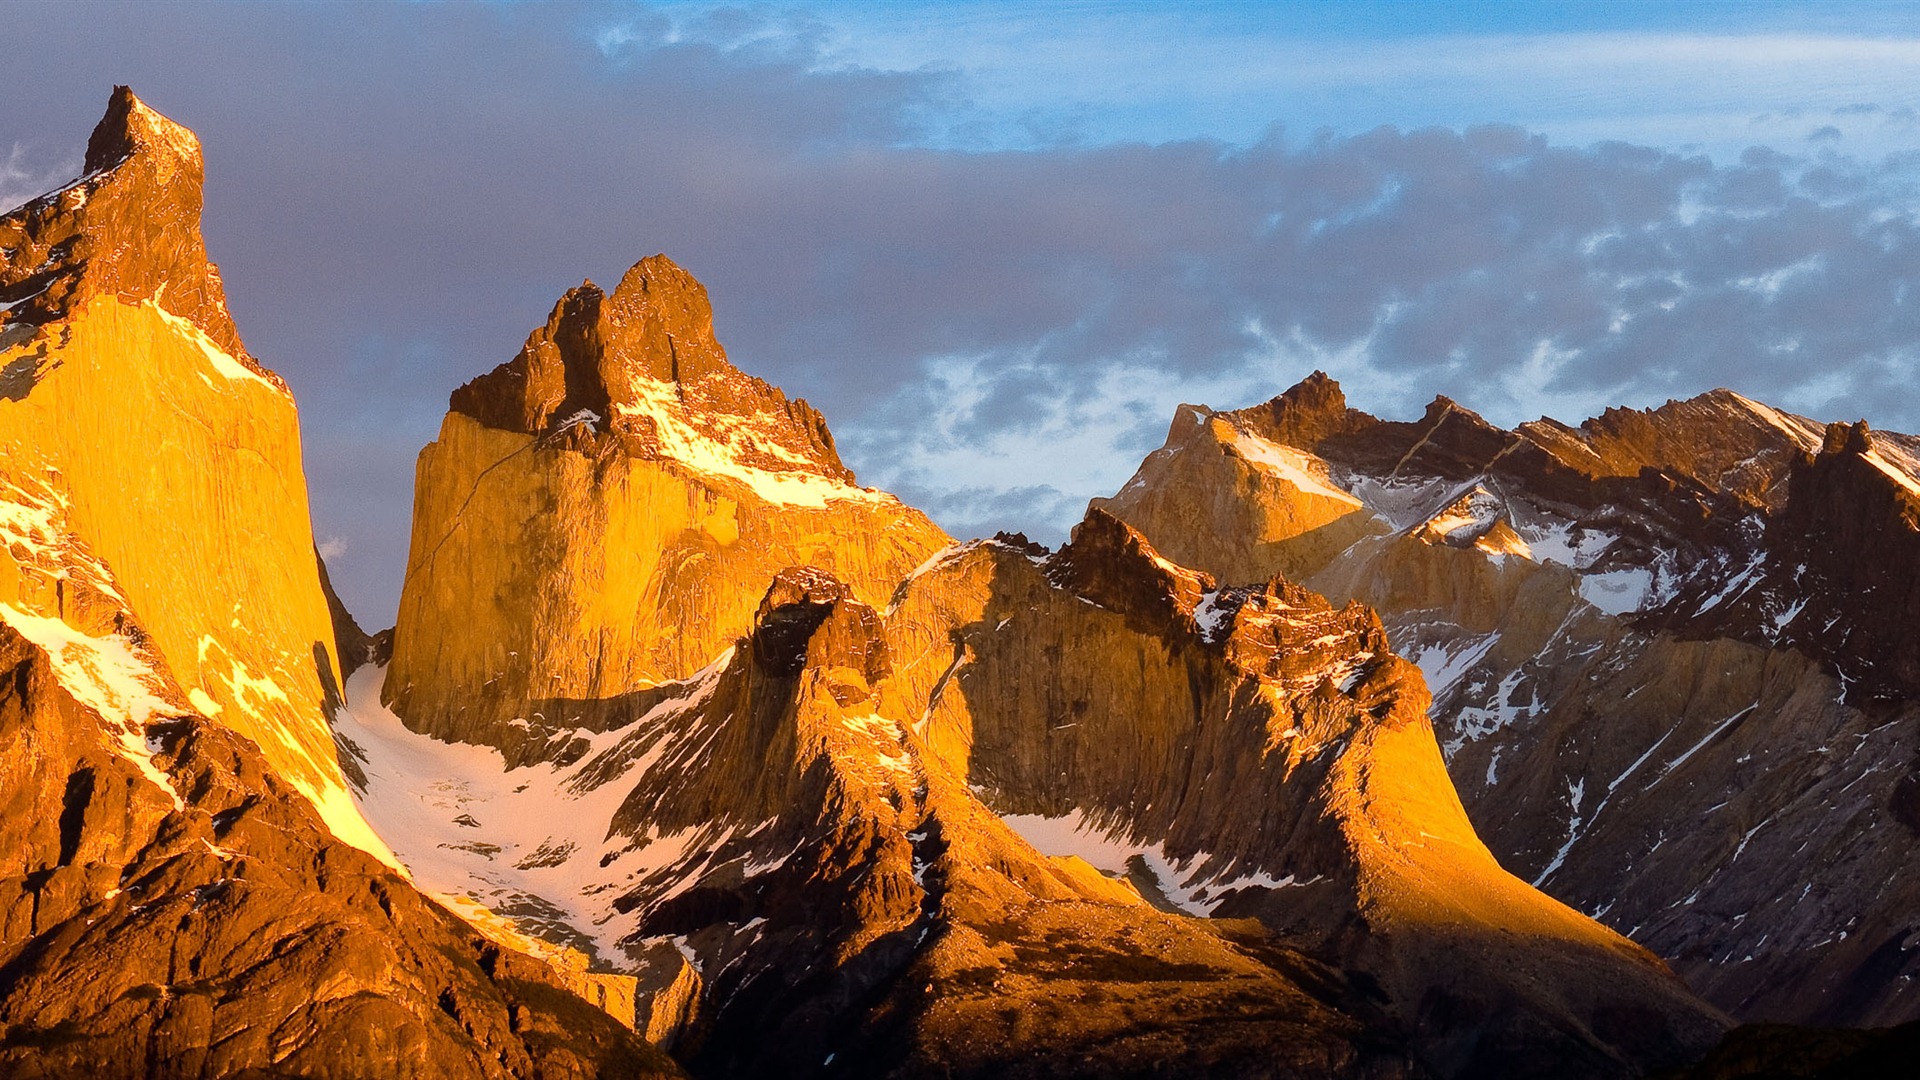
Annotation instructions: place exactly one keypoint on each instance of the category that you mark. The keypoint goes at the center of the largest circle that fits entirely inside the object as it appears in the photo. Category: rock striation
(601, 514)
(1664, 649)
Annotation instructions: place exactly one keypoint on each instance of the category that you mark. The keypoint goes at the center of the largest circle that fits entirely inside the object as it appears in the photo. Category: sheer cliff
(182, 890)
(680, 721)
(135, 419)
(1257, 752)
(601, 514)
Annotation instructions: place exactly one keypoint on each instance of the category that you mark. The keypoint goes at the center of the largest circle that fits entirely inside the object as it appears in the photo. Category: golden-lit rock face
(170, 906)
(848, 872)
(832, 784)
(135, 422)
(1243, 506)
(603, 514)
(1270, 745)
(791, 781)
(1624, 626)
(171, 899)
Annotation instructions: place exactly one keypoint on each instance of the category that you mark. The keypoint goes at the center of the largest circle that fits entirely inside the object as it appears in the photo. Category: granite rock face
(601, 514)
(134, 420)
(764, 739)
(1256, 752)
(182, 886)
(1667, 650)
(683, 738)
(177, 910)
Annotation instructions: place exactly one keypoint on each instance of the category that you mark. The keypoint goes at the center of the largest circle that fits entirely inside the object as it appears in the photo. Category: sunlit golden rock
(603, 513)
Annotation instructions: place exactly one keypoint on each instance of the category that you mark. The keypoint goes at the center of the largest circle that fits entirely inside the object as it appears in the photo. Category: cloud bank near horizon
(996, 332)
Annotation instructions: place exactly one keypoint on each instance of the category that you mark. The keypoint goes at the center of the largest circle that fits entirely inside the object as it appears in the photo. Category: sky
(998, 243)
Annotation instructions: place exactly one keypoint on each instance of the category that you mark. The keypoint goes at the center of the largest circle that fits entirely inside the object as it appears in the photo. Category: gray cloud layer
(397, 198)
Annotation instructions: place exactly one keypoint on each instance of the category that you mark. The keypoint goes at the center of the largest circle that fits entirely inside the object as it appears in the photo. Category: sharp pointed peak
(131, 126)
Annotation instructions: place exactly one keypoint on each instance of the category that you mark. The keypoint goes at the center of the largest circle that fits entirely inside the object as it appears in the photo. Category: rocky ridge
(681, 721)
(1256, 752)
(1687, 614)
(170, 907)
(705, 769)
(806, 891)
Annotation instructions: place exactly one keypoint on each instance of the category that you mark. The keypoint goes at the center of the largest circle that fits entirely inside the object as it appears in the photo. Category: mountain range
(1327, 746)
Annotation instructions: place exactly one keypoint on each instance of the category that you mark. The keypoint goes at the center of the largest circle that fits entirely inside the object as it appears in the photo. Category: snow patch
(1444, 664)
(107, 675)
(727, 451)
(545, 843)
(222, 362)
(1307, 474)
(1185, 882)
(1618, 592)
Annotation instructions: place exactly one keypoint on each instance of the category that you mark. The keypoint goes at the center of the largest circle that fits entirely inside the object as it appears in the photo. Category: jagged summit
(1110, 563)
(1845, 438)
(128, 228)
(809, 616)
(1309, 412)
(1698, 612)
(675, 487)
(131, 127)
(642, 363)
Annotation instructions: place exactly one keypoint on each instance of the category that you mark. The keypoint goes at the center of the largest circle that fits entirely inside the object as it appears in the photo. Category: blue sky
(1719, 76)
(984, 235)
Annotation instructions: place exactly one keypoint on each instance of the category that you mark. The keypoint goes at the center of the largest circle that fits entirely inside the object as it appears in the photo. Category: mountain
(1667, 650)
(135, 419)
(182, 886)
(601, 514)
(845, 796)
(689, 755)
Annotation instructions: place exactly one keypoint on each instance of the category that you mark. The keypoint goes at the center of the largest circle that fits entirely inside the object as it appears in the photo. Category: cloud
(332, 548)
(21, 180)
(1515, 275)
(397, 199)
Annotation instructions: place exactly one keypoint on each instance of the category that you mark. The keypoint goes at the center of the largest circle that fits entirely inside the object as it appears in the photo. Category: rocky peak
(128, 228)
(1109, 563)
(557, 374)
(663, 316)
(1291, 635)
(1720, 440)
(1306, 415)
(1845, 438)
(642, 363)
(1453, 442)
(809, 618)
(130, 127)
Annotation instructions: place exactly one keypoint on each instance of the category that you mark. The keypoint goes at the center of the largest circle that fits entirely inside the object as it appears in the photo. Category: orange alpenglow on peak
(677, 487)
(153, 465)
(129, 227)
(642, 361)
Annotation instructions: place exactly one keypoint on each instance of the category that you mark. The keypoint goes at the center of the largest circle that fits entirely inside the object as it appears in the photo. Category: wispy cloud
(23, 175)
